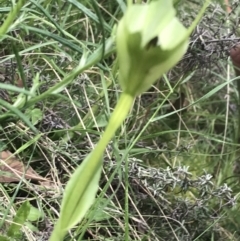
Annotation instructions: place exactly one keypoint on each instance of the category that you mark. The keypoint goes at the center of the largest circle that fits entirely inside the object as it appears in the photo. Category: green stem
(118, 116)
(57, 234)
(93, 162)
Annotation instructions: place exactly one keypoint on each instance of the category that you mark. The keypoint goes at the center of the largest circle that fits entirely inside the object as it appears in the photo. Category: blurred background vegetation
(177, 150)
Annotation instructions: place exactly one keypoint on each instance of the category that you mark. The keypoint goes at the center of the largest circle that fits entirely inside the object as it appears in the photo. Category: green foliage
(24, 213)
(10, 18)
(34, 115)
(2, 238)
(21, 216)
(134, 42)
(65, 56)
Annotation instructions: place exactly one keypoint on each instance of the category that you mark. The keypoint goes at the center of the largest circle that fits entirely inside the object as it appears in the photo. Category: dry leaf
(13, 170)
(235, 56)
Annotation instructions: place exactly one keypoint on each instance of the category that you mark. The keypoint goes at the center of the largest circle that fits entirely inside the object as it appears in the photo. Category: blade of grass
(11, 17)
(19, 114)
(49, 17)
(93, 59)
(89, 13)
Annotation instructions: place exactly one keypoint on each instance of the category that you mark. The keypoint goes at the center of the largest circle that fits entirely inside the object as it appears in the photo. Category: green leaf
(34, 115)
(15, 89)
(3, 238)
(79, 194)
(34, 214)
(101, 121)
(18, 221)
(99, 213)
(31, 227)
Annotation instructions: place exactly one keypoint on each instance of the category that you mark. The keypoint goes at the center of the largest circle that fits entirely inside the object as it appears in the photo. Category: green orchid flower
(150, 41)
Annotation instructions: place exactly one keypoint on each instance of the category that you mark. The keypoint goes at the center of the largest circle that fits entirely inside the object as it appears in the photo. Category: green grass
(55, 48)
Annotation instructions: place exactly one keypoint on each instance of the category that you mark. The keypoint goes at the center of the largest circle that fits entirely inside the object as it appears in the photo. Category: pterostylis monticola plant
(150, 40)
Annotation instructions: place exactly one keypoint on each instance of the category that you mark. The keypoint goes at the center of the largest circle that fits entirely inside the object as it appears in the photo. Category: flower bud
(150, 41)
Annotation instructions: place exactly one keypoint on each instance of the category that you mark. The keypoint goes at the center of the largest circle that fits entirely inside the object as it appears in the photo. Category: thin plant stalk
(94, 160)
